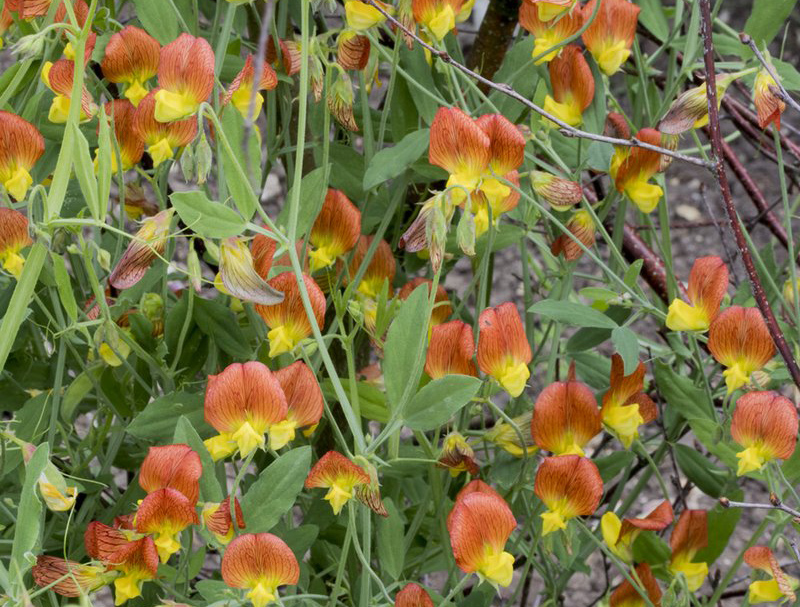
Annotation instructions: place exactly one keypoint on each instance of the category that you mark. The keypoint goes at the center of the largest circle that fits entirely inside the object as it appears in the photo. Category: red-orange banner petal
(174, 466)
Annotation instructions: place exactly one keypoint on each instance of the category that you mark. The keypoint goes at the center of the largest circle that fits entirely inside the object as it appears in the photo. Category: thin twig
(777, 505)
(784, 94)
(565, 129)
(725, 189)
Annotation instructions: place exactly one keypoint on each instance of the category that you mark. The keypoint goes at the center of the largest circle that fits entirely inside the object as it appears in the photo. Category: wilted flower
(242, 403)
(241, 89)
(438, 17)
(626, 595)
(57, 496)
(550, 9)
(131, 58)
(339, 476)
(689, 536)
(304, 400)
(120, 112)
(69, 578)
(619, 535)
(573, 86)
(780, 587)
(548, 33)
(335, 231)
(560, 193)
(457, 456)
(582, 228)
(503, 349)
(352, 49)
(690, 109)
(161, 139)
(441, 309)
(765, 97)
(765, 424)
(565, 417)
(480, 525)
(570, 486)
(340, 101)
(13, 238)
(412, 595)
(610, 36)
(634, 172)
(239, 275)
(218, 520)
(517, 441)
(739, 339)
(259, 563)
(381, 268)
(21, 145)
(625, 405)
(185, 77)
(429, 228)
(708, 283)
(360, 16)
(450, 350)
(287, 321)
(291, 55)
(147, 244)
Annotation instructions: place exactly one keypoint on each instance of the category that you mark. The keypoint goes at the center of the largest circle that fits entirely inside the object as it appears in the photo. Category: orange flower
(161, 139)
(442, 308)
(335, 231)
(780, 587)
(438, 17)
(765, 424)
(768, 104)
(565, 417)
(457, 456)
(548, 10)
(339, 476)
(503, 349)
(239, 277)
(581, 226)
(708, 283)
(290, 55)
(242, 403)
(259, 563)
(147, 244)
(352, 50)
(185, 77)
(616, 126)
(548, 33)
(241, 88)
(619, 535)
(626, 595)
(131, 58)
(689, 536)
(637, 168)
(610, 36)
(287, 321)
(450, 350)
(173, 466)
(28, 9)
(68, 578)
(137, 560)
(739, 340)
(58, 78)
(21, 145)
(573, 86)
(304, 399)
(262, 249)
(412, 595)
(13, 238)
(165, 513)
(218, 520)
(131, 147)
(560, 193)
(6, 21)
(625, 405)
(569, 486)
(382, 267)
(479, 527)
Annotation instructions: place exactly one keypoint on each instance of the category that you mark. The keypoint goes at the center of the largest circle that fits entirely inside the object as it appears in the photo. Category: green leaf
(275, 491)
(78, 390)
(185, 432)
(313, 188)
(391, 162)
(218, 322)
(391, 541)
(158, 18)
(156, 423)
(790, 77)
(105, 153)
(64, 287)
(238, 177)
(706, 476)
(682, 395)
(652, 17)
(721, 525)
(405, 347)
(767, 19)
(84, 171)
(440, 400)
(651, 549)
(29, 514)
(611, 465)
(692, 45)
(632, 273)
(572, 313)
(205, 217)
(627, 345)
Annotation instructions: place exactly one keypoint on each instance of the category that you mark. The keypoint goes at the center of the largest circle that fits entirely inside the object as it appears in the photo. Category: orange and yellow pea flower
(120, 113)
(619, 535)
(457, 455)
(185, 78)
(765, 424)
(242, 403)
(626, 595)
(689, 536)
(304, 400)
(708, 283)
(161, 139)
(58, 77)
(339, 476)
(441, 309)
(636, 169)
(21, 145)
(547, 10)
(617, 126)
(287, 321)
(13, 238)
(779, 588)
(69, 578)
(259, 563)
(241, 89)
(218, 520)
(769, 105)
(176, 467)
(360, 16)
(382, 267)
(164, 513)
(503, 349)
(739, 339)
(582, 230)
(609, 37)
(569, 486)
(131, 58)
(413, 595)
(565, 417)
(625, 405)
(147, 244)
(480, 525)
(550, 33)
(573, 86)
(239, 274)
(451, 350)
(438, 17)
(336, 230)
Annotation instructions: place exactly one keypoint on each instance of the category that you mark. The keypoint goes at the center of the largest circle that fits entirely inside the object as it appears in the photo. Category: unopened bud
(560, 193)
(465, 233)
(193, 268)
(203, 159)
(340, 102)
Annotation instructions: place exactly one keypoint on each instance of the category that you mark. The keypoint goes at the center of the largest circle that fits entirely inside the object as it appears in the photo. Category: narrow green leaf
(767, 19)
(632, 273)
(706, 476)
(29, 514)
(64, 287)
(391, 541)
(440, 400)
(313, 188)
(653, 18)
(572, 313)
(626, 344)
(156, 422)
(105, 153)
(218, 322)
(186, 433)
(238, 177)
(158, 18)
(391, 162)
(205, 217)
(84, 171)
